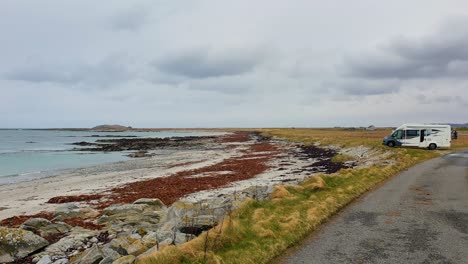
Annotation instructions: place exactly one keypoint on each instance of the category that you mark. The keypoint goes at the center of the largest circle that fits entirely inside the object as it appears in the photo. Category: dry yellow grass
(279, 192)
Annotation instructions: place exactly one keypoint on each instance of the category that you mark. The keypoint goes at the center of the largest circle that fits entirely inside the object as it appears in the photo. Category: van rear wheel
(432, 146)
(391, 144)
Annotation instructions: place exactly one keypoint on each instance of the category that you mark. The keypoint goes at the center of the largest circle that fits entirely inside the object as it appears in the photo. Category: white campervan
(420, 135)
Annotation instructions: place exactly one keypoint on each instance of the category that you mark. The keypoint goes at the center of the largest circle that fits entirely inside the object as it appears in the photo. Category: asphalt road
(420, 216)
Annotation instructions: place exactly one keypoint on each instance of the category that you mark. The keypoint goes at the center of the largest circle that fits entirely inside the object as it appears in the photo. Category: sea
(32, 154)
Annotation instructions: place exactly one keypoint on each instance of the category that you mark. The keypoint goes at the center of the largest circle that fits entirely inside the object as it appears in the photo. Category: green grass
(260, 230)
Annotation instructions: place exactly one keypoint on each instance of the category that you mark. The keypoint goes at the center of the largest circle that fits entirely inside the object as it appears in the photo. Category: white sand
(31, 197)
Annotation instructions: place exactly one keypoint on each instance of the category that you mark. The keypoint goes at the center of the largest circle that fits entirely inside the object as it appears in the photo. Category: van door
(411, 138)
(423, 138)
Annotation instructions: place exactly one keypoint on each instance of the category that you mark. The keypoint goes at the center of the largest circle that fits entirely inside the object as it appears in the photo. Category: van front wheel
(432, 146)
(391, 144)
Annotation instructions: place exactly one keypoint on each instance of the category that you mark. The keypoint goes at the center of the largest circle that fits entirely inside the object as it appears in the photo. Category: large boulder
(18, 243)
(124, 209)
(78, 239)
(44, 227)
(124, 220)
(71, 210)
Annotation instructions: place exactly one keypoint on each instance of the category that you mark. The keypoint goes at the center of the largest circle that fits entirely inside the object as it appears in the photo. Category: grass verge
(260, 230)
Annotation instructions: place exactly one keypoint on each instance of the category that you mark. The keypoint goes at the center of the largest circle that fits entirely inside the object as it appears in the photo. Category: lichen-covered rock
(71, 210)
(133, 222)
(76, 239)
(124, 209)
(44, 227)
(16, 243)
(136, 248)
(121, 244)
(152, 202)
(109, 255)
(125, 260)
(148, 252)
(150, 239)
(93, 255)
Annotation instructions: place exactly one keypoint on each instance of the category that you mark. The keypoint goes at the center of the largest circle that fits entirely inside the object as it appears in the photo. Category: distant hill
(459, 125)
(110, 128)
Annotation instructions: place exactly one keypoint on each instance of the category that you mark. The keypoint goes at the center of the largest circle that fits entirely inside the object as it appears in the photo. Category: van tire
(391, 144)
(432, 146)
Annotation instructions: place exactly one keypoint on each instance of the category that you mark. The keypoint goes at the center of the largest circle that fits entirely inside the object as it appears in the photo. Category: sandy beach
(31, 197)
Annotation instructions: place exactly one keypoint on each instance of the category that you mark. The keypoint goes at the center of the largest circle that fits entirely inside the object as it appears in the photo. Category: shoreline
(30, 197)
(119, 148)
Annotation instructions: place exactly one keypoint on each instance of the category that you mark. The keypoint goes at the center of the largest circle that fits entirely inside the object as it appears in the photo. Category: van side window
(412, 133)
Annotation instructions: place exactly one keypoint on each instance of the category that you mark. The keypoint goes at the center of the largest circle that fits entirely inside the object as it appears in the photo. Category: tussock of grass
(260, 230)
(279, 192)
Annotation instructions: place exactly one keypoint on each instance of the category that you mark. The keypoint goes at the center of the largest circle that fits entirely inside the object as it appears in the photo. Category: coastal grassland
(261, 230)
(461, 141)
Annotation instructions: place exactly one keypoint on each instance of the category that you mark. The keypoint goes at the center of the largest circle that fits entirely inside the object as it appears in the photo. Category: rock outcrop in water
(141, 146)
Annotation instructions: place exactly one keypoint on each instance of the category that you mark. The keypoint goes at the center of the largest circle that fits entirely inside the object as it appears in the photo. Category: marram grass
(261, 230)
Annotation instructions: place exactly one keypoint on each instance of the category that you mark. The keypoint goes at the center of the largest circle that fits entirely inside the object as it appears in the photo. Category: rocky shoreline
(133, 220)
(141, 147)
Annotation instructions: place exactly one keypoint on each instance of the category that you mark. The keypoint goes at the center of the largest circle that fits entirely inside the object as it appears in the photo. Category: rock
(77, 238)
(109, 255)
(198, 224)
(61, 261)
(107, 260)
(44, 227)
(71, 210)
(18, 243)
(180, 238)
(67, 210)
(125, 260)
(35, 223)
(45, 260)
(152, 202)
(150, 239)
(93, 255)
(149, 252)
(121, 244)
(136, 248)
(124, 209)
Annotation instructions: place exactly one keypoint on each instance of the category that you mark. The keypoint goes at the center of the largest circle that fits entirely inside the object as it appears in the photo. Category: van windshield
(398, 134)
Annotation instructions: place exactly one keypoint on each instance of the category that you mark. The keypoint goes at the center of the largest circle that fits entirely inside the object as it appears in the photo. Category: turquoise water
(31, 154)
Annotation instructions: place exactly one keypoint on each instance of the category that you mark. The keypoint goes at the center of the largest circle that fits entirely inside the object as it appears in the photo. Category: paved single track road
(419, 216)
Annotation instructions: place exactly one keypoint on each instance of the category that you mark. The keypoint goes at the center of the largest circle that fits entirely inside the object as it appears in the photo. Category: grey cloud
(199, 64)
(131, 19)
(441, 99)
(362, 87)
(109, 71)
(443, 54)
(226, 85)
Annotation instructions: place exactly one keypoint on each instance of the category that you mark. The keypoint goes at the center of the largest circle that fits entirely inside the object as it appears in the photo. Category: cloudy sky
(243, 63)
